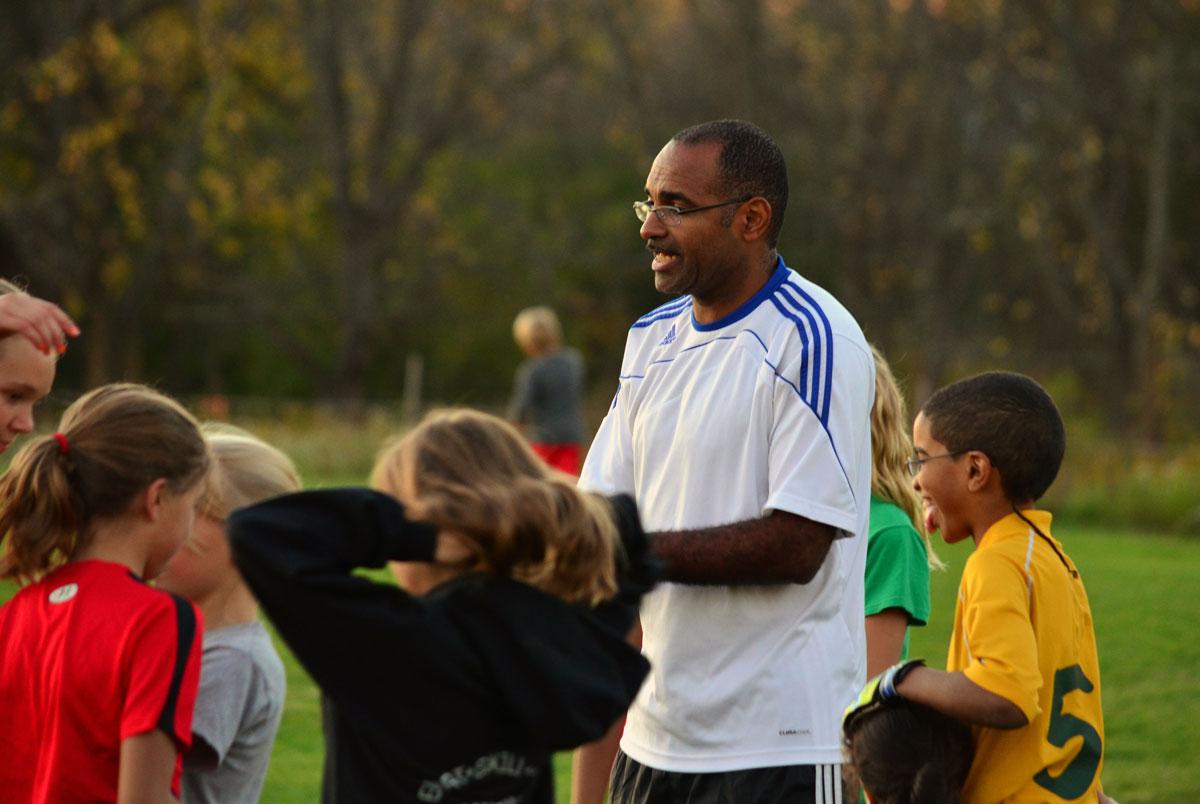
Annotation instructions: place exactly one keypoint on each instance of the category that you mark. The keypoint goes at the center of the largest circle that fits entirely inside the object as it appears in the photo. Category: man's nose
(652, 227)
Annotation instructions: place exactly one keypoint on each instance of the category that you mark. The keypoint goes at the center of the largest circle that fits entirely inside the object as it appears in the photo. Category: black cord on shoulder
(1049, 541)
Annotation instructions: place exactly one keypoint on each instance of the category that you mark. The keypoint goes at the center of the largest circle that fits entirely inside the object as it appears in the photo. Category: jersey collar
(750, 305)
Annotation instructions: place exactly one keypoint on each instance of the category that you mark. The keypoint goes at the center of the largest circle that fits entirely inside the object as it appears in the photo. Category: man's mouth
(663, 257)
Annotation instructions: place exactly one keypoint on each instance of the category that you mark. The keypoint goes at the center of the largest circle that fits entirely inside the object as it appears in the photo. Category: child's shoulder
(996, 565)
(886, 514)
(1014, 548)
(244, 642)
(244, 652)
(109, 582)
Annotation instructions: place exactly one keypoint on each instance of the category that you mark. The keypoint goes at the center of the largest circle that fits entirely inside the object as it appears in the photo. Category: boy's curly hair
(1008, 417)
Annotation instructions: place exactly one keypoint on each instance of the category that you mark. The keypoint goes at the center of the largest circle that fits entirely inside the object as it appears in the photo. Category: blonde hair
(246, 470)
(117, 440)
(472, 474)
(536, 330)
(891, 445)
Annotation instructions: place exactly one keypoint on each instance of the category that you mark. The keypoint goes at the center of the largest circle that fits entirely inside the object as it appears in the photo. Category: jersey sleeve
(608, 468)
(897, 575)
(999, 632)
(226, 682)
(807, 475)
(162, 665)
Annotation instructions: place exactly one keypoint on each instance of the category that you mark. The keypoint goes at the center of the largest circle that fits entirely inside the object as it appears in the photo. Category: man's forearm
(776, 549)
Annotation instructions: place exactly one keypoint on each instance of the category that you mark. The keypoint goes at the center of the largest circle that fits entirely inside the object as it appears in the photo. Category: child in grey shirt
(242, 682)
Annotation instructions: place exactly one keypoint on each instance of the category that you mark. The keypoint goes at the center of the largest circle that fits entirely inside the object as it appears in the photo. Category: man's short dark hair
(751, 164)
(1009, 418)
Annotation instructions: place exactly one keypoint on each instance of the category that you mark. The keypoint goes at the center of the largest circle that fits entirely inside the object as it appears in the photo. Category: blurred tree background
(290, 197)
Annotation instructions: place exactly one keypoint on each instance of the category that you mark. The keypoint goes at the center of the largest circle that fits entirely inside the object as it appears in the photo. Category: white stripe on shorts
(827, 784)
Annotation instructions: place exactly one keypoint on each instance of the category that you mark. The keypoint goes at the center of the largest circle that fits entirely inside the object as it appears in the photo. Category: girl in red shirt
(98, 671)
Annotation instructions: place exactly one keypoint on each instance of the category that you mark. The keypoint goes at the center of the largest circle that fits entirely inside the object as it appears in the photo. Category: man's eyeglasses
(914, 463)
(670, 216)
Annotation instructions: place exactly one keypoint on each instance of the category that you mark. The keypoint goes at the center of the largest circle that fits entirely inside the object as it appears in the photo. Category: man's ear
(149, 503)
(754, 219)
(980, 471)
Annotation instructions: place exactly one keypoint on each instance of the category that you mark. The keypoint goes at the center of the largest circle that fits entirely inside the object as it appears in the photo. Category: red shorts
(563, 457)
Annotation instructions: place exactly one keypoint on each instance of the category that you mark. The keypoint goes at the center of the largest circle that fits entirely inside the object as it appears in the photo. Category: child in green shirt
(899, 555)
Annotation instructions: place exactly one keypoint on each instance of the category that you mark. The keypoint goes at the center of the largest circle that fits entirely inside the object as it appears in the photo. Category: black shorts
(635, 783)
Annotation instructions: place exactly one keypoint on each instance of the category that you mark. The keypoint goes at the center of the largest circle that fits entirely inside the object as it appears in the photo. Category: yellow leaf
(116, 273)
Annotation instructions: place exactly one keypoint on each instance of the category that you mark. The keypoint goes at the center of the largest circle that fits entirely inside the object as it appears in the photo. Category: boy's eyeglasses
(669, 216)
(914, 463)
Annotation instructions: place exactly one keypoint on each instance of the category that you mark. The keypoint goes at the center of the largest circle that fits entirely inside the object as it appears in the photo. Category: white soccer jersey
(765, 409)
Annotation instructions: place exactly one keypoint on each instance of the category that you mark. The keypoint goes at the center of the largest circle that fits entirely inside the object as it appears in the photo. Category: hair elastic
(64, 446)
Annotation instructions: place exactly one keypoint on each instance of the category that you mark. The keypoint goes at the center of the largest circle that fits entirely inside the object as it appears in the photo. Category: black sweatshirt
(461, 695)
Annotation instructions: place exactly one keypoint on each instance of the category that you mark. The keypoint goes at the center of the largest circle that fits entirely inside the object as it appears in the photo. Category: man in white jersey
(741, 426)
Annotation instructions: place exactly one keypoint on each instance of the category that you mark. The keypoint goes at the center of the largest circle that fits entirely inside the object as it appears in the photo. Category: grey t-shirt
(548, 397)
(242, 686)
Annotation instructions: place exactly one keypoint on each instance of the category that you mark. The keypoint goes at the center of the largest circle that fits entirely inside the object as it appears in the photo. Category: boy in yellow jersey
(1022, 667)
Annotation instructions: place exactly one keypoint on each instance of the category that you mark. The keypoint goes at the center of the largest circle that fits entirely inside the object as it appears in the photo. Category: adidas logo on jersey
(669, 337)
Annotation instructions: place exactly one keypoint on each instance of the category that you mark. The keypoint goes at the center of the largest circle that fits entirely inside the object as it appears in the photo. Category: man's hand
(45, 325)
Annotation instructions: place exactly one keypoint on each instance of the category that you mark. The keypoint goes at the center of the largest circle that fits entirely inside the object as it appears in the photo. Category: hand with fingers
(43, 323)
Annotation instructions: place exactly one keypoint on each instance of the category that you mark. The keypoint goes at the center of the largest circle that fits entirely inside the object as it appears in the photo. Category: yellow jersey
(1023, 630)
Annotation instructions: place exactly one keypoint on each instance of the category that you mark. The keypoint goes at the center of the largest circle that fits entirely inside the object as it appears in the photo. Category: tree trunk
(1146, 354)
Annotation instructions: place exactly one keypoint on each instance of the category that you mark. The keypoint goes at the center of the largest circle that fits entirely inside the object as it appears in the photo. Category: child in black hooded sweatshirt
(505, 641)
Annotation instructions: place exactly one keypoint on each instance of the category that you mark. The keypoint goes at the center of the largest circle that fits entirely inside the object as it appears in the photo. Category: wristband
(889, 679)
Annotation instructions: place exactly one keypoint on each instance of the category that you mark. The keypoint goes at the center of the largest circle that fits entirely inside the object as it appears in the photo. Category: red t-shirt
(89, 656)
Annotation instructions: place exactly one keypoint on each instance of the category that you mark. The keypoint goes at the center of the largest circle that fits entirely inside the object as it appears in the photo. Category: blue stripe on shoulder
(668, 310)
(828, 379)
(800, 305)
(817, 351)
(806, 350)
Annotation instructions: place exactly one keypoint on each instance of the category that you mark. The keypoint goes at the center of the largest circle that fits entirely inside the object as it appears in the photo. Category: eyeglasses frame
(642, 210)
(913, 464)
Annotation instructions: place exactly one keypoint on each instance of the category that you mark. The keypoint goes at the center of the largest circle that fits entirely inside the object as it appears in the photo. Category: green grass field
(1146, 609)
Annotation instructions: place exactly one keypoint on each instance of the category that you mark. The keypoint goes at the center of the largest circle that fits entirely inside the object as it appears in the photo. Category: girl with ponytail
(505, 639)
(98, 671)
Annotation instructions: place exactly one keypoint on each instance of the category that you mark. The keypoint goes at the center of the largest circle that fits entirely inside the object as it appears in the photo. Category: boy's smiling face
(942, 484)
